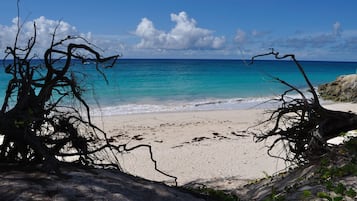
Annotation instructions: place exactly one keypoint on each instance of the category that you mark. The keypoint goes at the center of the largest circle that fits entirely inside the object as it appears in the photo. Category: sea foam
(200, 105)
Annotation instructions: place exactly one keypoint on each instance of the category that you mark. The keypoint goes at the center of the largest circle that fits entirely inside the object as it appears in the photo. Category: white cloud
(185, 35)
(331, 44)
(254, 37)
(45, 29)
(315, 41)
(187, 40)
(337, 29)
(256, 33)
(7, 34)
(240, 37)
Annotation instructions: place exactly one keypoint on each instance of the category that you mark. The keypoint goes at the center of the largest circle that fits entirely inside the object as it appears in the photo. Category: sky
(195, 29)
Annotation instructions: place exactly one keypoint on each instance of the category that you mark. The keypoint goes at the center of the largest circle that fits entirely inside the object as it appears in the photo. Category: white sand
(196, 146)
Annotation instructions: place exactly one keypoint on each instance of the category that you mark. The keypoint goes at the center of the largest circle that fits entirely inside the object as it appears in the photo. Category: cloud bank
(188, 40)
(336, 44)
(184, 35)
(45, 28)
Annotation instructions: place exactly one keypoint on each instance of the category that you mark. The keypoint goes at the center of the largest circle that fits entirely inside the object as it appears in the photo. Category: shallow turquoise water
(164, 85)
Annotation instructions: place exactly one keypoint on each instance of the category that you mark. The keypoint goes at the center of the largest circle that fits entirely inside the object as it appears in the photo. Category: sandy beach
(209, 147)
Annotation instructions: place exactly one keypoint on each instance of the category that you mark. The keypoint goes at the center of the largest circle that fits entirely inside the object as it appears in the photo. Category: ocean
(164, 85)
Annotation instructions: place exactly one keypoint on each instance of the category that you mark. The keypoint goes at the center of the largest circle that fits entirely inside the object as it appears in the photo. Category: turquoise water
(154, 85)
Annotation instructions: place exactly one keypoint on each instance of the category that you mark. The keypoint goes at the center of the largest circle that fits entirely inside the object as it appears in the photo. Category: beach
(208, 147)
(187, 122)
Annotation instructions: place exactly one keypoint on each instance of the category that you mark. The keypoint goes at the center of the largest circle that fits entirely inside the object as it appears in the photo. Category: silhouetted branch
(302, 125)
(37, 124)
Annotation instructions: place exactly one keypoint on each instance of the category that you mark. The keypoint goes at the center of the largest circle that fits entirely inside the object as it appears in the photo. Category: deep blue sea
(158, 85)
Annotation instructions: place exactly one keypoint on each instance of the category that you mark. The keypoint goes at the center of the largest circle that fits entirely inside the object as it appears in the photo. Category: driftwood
(36, 123)
(301, 124)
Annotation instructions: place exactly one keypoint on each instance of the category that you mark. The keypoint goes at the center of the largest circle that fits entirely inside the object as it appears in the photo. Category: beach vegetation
(331, 178)
(351, 145)
(306, 194)
(212, 194)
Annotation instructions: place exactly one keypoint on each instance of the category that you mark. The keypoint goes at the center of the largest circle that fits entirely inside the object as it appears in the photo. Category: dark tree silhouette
(37, 123)
(44, 118)
(301, 124)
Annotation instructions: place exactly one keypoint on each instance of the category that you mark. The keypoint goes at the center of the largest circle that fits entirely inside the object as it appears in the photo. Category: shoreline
(209, 147)
(209, 104)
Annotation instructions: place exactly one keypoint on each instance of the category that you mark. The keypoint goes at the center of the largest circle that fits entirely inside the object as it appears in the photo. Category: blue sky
(218, 29)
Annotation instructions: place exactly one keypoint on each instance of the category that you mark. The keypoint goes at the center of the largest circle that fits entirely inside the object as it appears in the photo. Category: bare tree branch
(301, 125)
(38, 125)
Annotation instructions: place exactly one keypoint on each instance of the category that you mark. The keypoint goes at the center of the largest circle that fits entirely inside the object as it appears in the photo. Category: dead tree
(37, 125)
(44, 118)
(301, 124)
